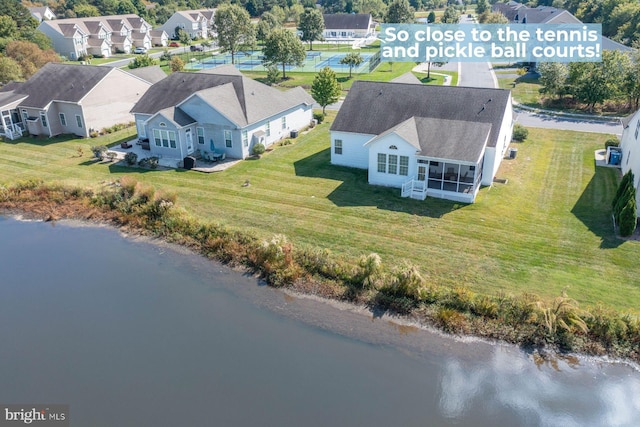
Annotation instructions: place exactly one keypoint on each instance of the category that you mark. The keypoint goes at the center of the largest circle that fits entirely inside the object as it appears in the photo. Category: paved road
(538, 120)
(156, 55)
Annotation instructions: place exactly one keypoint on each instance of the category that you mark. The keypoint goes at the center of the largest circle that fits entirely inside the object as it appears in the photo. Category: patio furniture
(125, 145)
(145, 145)
(217, 156)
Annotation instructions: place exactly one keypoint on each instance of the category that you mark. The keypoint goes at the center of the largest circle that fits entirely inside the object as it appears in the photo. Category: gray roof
(347, 21)
(444, 139)
(407, 77)
(241, 99)
(608, 44)
(152, 74)
(373, 108)
(509, 10)
(177, 115)
(61, 82)
(9, 96)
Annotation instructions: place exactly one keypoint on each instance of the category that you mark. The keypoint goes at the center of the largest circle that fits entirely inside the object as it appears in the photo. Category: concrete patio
(202, 165)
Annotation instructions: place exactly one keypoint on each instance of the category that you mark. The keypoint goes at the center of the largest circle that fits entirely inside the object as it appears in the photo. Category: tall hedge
(624, 205)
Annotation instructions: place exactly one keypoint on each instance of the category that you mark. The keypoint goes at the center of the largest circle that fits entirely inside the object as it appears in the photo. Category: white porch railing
(415, 189)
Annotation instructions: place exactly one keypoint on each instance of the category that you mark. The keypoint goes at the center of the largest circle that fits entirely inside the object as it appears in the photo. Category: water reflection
(554, 394)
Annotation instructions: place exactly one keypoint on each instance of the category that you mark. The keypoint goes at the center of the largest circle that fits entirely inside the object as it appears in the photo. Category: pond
(131, 333)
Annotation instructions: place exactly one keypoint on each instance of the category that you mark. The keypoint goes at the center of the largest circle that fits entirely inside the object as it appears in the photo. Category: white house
(438, 141)
(42, 13)
(630, 146)
(218, 111)
(197, 23)
(98, 36)
(341, 26)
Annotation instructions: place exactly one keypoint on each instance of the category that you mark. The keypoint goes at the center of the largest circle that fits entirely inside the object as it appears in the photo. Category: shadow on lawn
(356, 191)
(593, 207)
(42, 141)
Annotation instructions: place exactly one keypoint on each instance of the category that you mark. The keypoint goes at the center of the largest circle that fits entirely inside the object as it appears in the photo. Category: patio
(202, 165)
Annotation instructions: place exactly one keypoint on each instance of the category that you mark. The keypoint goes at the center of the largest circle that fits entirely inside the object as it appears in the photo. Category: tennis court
(314, 62)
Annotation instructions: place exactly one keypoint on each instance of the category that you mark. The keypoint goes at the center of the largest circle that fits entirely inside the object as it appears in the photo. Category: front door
(422, 172)
(189, 142)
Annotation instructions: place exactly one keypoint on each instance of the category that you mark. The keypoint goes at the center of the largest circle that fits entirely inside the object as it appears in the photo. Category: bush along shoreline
(558, 324)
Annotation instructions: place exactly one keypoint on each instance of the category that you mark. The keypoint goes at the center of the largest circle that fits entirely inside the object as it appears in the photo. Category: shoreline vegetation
(558, 324)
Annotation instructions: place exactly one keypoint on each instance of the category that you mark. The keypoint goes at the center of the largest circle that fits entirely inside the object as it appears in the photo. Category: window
(200, 133)
(43, 118)
(164, 138)
(393, 164)
(393, 147)
(141, 130)
(227, 139)
(25, 115)
(382, 163)
(79, 121)
(63, 119)
(404, 165)
(284, 122)
(267, 129)
(337, 146)
(245, 138)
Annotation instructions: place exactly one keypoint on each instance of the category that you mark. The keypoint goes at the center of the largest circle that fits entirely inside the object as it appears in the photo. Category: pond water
(130, 333)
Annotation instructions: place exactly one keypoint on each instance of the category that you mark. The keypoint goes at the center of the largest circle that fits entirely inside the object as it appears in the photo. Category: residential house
(346, 26)
(69, 99)
(159, 37)
(98, 36)
(42, 13)
(197, 23)
(517, 13)
(630, 147)
(152, 74)
(215, 112)
(439, 141)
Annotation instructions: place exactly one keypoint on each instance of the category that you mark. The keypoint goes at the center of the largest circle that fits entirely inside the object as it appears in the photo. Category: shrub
(273, 74)
(111, 155)
(628, 218)
(319, 117)
(131, 158)
(98, 151)
(451, 321)
(611, 142)
(275, 259)
(153, 162)
(80, 151)
(128, 184)
(258, 149)
(520, 133)
(94, 134)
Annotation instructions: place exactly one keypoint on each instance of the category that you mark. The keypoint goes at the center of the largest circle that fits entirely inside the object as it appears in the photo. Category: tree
(553, 77)
(489, 17)
(142, 61)
(352, 59)
(234, 29)
(176, 64)
(283, 47)
(377, 8)
(334, 6)
(268, 22)
(481, 6)
(432, 17)
(8, 27)
(325, 88)
(9, 70)
(451, 15)
(30, 57)
(400, 12)
(86, 10)
(312, 26)
(596, 82)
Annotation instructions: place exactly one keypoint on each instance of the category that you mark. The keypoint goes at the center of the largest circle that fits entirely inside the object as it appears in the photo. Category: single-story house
(630, 146)
(215, 112)
(347, 26)
(69, 99)
(439, 141)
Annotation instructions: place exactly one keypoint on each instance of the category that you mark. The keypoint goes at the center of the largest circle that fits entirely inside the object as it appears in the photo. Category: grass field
(547, 229)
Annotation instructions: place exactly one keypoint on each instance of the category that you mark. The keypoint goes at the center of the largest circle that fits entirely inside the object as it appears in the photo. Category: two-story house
(197, 23)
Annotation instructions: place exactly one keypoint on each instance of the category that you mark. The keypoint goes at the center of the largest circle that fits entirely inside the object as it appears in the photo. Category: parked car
(196, 48)
(140, 50)
(174, 44)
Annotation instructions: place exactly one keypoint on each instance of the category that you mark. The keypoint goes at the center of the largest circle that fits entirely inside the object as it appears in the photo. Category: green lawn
(547, 229)
(524, 90)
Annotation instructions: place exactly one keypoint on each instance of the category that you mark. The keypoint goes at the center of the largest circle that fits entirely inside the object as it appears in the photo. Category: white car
(140, 50)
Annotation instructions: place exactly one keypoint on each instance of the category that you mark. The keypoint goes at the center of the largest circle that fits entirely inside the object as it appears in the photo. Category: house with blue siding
(217, 111)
